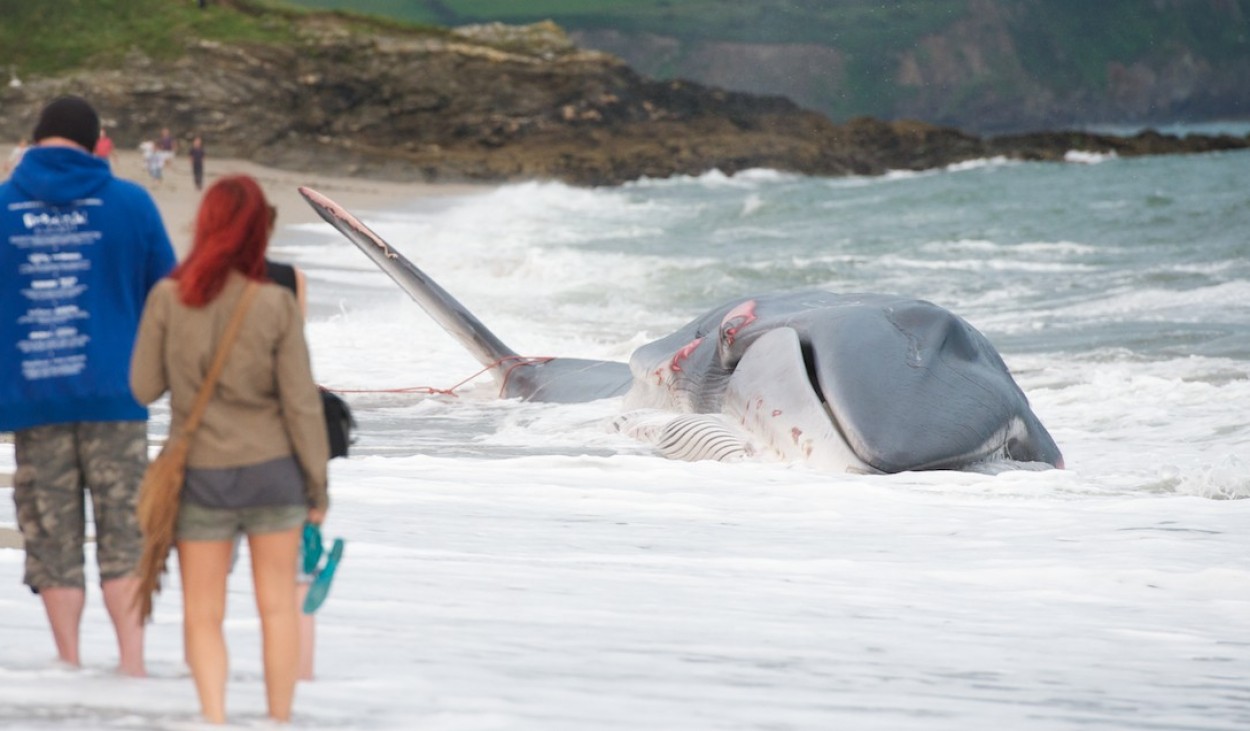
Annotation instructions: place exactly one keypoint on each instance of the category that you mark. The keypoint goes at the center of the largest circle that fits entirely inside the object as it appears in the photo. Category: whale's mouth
(775, 393)
(813, 375)
(807, 353)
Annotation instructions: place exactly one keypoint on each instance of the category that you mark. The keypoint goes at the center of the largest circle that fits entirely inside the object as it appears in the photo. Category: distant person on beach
(196, 153)
(166, 147)
(104, 146)
(79, 250)
(166, 143)
(258, 465)
(151, 160)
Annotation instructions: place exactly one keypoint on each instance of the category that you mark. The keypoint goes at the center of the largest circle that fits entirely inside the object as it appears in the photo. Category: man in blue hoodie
(79, 250)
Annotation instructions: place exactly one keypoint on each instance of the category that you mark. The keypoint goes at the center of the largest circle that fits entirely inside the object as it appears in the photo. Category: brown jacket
(266, 404)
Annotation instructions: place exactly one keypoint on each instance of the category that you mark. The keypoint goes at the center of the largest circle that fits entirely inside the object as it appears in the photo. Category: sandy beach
(178, 199)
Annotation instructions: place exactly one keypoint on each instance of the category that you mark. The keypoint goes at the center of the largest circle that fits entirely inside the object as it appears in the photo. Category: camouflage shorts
(56, 464)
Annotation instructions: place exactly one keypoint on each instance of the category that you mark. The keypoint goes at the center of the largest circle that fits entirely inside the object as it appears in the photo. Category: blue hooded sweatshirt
(79, 250)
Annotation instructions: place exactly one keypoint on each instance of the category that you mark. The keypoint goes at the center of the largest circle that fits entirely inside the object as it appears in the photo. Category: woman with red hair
(257, 464)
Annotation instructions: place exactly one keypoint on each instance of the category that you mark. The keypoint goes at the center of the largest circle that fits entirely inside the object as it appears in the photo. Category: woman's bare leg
(307, 634)
(273, 573)
(204, 566)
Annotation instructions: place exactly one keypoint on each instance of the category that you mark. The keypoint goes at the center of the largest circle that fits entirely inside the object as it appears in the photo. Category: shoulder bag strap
(219, 360)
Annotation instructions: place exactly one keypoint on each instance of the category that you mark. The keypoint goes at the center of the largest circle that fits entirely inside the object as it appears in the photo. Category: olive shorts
(57, 464)
(198, 523)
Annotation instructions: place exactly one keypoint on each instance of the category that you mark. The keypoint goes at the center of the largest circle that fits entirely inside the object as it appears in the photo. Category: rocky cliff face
(977, 74)
(491, 103)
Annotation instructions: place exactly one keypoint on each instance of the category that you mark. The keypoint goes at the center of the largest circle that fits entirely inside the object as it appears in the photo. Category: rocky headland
(496, 103)
(990, 66)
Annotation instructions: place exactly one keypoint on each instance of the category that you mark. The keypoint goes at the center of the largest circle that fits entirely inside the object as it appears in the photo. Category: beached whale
(866, 383)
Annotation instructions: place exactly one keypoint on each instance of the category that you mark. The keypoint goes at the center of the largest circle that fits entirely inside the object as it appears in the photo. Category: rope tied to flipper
(513, 361)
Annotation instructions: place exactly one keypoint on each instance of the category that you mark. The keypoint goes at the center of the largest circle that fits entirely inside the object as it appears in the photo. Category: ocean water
(522, 566)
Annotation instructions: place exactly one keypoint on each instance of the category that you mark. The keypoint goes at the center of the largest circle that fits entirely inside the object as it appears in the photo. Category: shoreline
(178, 200)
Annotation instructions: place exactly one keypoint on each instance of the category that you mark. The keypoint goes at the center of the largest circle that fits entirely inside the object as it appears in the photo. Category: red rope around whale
(516, 360)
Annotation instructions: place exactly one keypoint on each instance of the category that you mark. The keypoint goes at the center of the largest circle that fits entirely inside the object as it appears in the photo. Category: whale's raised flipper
(562, 380)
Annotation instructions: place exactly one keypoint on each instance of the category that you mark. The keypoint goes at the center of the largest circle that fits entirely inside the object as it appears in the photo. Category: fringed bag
(161, 488)
(159, 494)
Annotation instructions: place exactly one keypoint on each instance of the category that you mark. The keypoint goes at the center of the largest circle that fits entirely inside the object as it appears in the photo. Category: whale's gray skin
(905, 384)
(865, 383)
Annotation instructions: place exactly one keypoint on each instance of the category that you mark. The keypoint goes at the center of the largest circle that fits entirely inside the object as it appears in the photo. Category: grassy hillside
(50, 36)
(53, 35)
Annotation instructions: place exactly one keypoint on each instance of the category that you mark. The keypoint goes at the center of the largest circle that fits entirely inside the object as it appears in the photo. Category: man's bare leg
(119, 598)
(64, 606)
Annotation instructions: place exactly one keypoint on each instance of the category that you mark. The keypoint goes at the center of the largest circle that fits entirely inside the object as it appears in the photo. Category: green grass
(53, 36)
(49, 36)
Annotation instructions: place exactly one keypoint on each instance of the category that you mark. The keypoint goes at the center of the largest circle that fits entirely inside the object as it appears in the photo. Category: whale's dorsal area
(845, 382)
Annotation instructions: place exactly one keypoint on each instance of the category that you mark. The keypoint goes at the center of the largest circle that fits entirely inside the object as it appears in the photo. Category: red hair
(231, 234)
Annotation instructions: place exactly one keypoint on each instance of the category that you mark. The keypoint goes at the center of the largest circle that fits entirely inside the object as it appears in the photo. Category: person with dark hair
(79, 251)
(292, 278)
(258, 463)
(167, 144)
(196, 153)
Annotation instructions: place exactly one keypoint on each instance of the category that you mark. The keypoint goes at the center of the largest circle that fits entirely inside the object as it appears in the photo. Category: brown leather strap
(219, 360)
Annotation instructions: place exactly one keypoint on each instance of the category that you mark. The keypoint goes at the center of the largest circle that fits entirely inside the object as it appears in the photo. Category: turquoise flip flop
(320, 588)
(311, 547)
